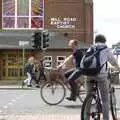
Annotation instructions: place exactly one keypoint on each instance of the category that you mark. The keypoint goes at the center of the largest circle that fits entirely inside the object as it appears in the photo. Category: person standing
(41, 71)
(103, 83)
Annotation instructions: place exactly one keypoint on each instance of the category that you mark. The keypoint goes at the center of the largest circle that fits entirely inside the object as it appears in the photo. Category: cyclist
(73, 74)
(105, 56)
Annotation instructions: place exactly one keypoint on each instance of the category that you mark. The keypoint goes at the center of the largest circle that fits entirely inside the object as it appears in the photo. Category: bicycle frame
(57, 76)
(96, 92)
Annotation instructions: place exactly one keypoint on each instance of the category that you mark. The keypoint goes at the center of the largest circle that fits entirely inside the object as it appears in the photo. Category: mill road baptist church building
(63, 19)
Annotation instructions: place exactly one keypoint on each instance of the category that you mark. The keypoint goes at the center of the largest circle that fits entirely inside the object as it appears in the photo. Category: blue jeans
(72, 75)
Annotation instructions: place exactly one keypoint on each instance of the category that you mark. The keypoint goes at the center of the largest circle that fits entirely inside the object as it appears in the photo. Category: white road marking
(10, 103)
(5, 106)
(45, 117)
(13, 100)
(17, 98)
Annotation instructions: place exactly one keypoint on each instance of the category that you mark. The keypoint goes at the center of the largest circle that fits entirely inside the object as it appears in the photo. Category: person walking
(29, 71)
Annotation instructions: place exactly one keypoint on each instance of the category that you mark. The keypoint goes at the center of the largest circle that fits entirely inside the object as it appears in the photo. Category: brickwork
(69, 8)
(81, 13)
(55, 53)
(0, 13)
(89, 21)
(82, 10)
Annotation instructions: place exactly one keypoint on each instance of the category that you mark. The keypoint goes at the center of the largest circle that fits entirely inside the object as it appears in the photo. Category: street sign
(22, 43)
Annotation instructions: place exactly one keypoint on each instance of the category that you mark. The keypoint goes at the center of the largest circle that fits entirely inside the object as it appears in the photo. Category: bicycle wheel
(82, 93)
(52, 93)
(91, 108)
(113, 104)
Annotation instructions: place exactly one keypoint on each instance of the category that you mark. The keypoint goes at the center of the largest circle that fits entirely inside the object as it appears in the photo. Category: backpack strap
(98, 57)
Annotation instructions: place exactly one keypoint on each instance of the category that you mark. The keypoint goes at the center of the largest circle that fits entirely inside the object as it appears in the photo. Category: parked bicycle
(54, 90)
(92, 106)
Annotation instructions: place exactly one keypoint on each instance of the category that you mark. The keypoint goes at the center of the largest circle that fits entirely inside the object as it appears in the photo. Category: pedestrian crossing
(43, 117)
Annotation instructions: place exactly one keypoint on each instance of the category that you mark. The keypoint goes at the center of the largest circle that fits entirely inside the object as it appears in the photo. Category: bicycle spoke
(52, 93)
(91, 109)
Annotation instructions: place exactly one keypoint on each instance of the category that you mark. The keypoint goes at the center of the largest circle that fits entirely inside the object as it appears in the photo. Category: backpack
(90, 63)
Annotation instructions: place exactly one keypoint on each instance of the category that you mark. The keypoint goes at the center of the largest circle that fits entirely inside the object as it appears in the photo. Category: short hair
(100, 38)
(75, 42)
(31, 59)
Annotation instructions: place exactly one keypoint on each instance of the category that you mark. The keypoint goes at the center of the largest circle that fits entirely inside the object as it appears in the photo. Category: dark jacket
(28, 68)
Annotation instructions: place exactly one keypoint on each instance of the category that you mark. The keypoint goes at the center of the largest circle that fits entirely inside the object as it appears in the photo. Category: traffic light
(36, 40)
(45, 39)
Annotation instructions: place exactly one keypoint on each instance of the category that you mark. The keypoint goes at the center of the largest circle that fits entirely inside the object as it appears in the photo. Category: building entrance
(11, 65)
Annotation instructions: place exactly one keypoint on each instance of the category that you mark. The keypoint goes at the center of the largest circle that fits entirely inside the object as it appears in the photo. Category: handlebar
(114, 72)
(111, 74)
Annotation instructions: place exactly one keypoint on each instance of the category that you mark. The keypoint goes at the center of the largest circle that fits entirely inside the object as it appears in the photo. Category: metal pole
(42, 40)
(23, 58)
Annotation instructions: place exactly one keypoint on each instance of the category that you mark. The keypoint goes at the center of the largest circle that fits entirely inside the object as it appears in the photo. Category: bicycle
(92, 106)
(54, 90)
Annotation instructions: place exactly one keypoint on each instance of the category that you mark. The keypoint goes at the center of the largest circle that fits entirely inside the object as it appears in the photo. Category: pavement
(10, 82)
(18, 83)
(42, 117)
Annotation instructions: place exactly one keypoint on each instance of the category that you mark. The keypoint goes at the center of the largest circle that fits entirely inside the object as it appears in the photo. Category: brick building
(64, 19)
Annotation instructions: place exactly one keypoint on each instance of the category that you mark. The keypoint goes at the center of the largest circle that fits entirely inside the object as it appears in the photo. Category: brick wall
(70, 8)
(54, 54)
(89, 21)
(0, 14)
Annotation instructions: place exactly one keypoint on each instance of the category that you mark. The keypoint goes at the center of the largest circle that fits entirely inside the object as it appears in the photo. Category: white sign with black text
(66, 22)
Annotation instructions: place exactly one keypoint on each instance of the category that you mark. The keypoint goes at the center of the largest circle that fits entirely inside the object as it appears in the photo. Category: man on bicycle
(73, 74)
(105, 56)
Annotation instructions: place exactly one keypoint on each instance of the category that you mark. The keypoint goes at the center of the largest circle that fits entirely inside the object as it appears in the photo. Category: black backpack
(90, 63)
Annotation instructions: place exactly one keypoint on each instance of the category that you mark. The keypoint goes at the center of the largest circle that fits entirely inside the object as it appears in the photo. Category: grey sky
(107, 19)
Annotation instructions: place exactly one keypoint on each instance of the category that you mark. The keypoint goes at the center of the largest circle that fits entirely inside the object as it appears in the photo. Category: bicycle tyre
(53, 87)
(113, 104)
(87, 104)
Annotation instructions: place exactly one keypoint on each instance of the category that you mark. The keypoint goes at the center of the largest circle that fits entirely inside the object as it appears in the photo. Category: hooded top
(106, 56)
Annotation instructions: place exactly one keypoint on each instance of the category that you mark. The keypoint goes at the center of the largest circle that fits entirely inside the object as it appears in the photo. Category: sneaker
(71, 98)
(37, 86)
(29, 85)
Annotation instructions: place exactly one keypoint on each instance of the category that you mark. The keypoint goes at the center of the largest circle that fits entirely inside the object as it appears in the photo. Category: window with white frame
(48, 61)
(22, 14)
(60, 59)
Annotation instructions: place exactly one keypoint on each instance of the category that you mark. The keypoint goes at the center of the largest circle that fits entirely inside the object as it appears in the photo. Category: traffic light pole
(23, 59)
(42, 41)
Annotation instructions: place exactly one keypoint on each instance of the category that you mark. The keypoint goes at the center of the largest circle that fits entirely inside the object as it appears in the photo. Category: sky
(107, 20)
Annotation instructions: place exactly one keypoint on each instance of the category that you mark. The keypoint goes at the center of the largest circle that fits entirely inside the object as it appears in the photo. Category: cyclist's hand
(116, 71)
(119, 70)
